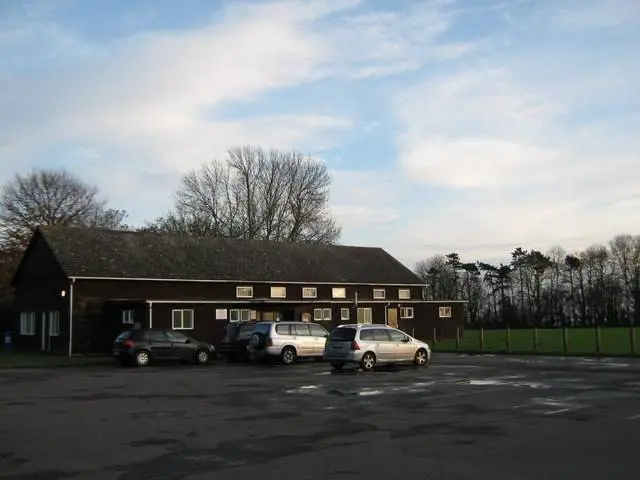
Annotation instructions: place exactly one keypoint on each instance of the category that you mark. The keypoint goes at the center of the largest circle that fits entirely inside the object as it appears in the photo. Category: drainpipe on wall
(73, 281)
(150, 314)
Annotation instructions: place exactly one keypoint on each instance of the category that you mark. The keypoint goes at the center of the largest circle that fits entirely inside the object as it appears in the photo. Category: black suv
(233, 345)
(141, 347)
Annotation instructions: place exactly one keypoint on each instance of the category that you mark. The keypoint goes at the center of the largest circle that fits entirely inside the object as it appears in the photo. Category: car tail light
(269, 342)
(355, 346)
(128, 343)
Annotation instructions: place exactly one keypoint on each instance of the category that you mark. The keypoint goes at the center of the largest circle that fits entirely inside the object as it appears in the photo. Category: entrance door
(392, 317)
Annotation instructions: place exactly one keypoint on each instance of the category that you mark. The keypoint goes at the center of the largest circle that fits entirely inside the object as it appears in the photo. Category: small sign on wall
(221, 313)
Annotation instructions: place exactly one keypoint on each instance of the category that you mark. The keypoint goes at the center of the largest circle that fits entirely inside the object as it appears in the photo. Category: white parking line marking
(633, 417)
(553, 412)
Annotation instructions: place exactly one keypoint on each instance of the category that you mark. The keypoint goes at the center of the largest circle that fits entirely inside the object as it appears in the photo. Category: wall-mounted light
(63, 293)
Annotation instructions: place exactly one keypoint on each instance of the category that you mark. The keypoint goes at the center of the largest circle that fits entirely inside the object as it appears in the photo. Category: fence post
(457, 339)
(598, 340)
(565, 340)
(535, 339)
(481, 339)
(435, 337)
(632, 339)
(508, 339)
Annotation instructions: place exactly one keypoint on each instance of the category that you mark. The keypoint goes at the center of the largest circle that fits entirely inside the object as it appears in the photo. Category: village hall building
(76, 288)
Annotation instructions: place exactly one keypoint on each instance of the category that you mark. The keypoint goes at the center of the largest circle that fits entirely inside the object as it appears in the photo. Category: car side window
(367, 335)
(317, 330)
(300, 330)
(381, 335)
(396, 336)
(157, 336)
(283, 329)
(177, 337)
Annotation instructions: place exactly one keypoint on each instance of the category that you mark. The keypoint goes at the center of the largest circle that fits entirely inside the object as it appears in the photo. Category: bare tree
(255, 194)
(51, 197)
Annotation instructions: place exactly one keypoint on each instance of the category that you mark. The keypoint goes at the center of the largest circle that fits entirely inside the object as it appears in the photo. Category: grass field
(580, 341)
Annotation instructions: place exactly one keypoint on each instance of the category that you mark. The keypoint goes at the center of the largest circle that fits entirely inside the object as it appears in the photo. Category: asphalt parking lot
(465, 416)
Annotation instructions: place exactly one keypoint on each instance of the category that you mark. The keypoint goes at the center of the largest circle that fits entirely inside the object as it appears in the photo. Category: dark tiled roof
(86, 252)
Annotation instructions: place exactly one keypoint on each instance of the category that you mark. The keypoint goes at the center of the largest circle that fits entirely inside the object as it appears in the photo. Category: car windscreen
(343, 335)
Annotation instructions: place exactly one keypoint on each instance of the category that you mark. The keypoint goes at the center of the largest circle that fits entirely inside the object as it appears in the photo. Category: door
(181, 346)
(160, 345)
(302, 339)
(386, 346)
(403, 348)
(319, 335)
(392, 317)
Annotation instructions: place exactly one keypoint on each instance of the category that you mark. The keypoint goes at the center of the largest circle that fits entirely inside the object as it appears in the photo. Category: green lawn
(35, 360)
(580, 341)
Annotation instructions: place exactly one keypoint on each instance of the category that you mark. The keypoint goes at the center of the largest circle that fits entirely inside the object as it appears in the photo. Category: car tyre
(368, 361)
(202, 357)
(422, 358)
(288, 355)
(143, 358)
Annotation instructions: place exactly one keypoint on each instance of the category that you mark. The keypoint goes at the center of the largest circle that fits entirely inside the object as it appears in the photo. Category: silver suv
(287, 340)
(369, 345)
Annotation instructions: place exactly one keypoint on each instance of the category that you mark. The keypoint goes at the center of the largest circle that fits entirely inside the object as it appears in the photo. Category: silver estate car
(369, 345)
(287, 341)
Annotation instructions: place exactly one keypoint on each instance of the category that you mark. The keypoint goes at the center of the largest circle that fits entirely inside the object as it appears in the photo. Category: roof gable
(84, 252)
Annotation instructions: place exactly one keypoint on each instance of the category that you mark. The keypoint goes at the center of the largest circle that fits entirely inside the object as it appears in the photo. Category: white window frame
(404, 294)
(183, 326)
(54, 323)
(444, 312)
(278, 292)
(336, 292)
(321, 314)
(406, 312)
(364, 311)
(345, 314)
(28, 323)
(241, 314)
(128, 316)
(309, 292)
(379, 294)
(245, 288)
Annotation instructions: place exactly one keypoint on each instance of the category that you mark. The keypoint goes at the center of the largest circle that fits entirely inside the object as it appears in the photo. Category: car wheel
(368, 361)
(337, 365)
(421, 358)
(288, 355)
(202, 357)
(143, 358)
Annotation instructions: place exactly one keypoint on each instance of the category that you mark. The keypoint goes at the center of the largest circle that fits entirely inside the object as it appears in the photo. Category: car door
(401, 344)
(319, 336)
(160, 345)
(384, 344)
(181, 345)
(302, 339)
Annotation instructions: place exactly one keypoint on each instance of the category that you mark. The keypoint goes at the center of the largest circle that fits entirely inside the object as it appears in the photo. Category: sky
(469, 126)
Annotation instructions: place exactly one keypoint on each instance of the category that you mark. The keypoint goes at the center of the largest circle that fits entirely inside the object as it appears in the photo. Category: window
(344, 314)
(237, 315)
(54, 324)
(321, 314)
(444, 312)
(128, 317)
(158, 336)
(406, 312)
(365, 315)
(379, 293)
(343, 335)
(396, 336)
(309, 292)
(339, 292)
(366, 335)
(318, 331)
(244, 292)
(183, 319)
(278, 292)
(177, 337)
(381, 335)
(28, 323)
(301, 330)
(283, 329)
(404, 294)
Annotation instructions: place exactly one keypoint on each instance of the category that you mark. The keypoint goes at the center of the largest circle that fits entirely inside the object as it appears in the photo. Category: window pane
(234, 315)
(381, 335)
(344, 314)
(339, 292)
(317, 314)
(396, 336)
(300, 329)
(366, 335)
(177, 337)
(343, 334)
(187, 319)
(317, 330)
(157, 336)
(283, 329)
(245, 315)
(326, 314)
(177, 318)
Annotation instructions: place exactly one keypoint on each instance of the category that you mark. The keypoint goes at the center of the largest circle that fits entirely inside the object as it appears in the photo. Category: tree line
(252, 193)
(598, 286)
